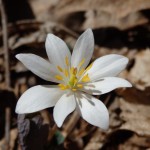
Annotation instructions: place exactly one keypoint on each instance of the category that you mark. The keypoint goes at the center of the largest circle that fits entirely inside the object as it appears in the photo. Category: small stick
(1, 52)
(71, 124)
(5, 43)
(7, 71)
(52, 132)
(7, 128)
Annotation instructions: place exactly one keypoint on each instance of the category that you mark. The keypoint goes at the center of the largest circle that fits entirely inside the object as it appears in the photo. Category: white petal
(38, 66)
(63, 108)
(83, 49)
(107, 66)
(57, 50)
(93, 110)
(38, 98)
(105, 85)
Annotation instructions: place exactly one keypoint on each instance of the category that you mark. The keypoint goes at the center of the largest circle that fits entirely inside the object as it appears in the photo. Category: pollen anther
(89, 67)
(85, 78)
(59, 68)
(81, 63)
(66, 73)
(79, 85)
(58, 77)
(81, 72)
(63, 87)
(67, 61)
(74, 90)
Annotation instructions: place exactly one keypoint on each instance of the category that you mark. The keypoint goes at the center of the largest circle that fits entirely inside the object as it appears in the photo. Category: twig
(71, 124)
(1, 52)
(7, 72)
(52, 132)
(68, 30)
(7, 127)
(5, 43)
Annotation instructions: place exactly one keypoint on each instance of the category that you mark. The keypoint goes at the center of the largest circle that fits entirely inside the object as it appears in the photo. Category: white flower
(77, 82)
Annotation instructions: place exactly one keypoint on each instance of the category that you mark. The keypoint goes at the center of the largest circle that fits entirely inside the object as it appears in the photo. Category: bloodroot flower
(76, 82)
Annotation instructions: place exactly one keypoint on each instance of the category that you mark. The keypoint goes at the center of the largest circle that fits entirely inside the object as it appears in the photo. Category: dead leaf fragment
(140, 73)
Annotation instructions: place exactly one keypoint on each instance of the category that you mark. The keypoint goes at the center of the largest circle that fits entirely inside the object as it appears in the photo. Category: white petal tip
(18, 111)
(104, 128)
(50, 35)
(128, 84)
(58, 121)
(18, 56)
(59, 125)
(89, 31)
(105, 125)
(126, 60)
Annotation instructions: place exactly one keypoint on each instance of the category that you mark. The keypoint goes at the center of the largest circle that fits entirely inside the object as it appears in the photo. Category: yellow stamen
(58, 77)
(89, 67)
(71, 70)
(67, 61)
(60, 85)
(79, 85)
(81, 72)
(59, 68)
(75, 71)
(81, 63)
(66, 72)
(85, 78)
(63, 87)
(73, 80)
(74, 90)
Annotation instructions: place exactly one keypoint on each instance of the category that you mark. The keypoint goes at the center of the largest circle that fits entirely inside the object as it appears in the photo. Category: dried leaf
(140, 72)
(32, 131)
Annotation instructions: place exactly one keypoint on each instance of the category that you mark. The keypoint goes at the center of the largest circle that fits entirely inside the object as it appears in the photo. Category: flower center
(73, 77)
